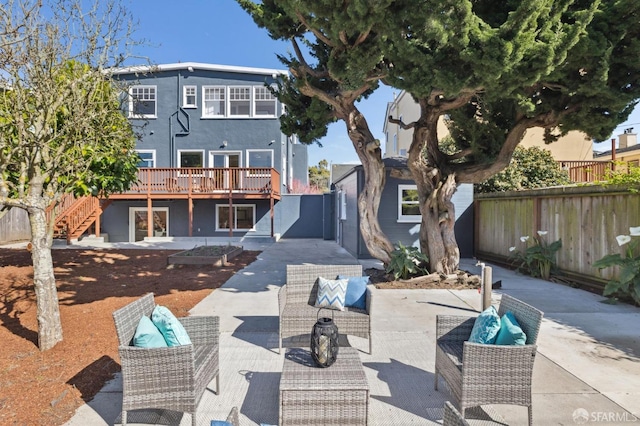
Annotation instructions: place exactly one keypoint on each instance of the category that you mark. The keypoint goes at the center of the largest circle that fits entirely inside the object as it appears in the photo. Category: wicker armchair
(487, 374)
(296, 300)
(171, 378)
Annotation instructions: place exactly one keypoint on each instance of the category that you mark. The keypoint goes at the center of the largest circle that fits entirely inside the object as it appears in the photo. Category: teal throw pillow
(147, 335)
(486, 327)
(331, 294)
(356, 296)
(220, 423)
(510, 331)
(172, 330)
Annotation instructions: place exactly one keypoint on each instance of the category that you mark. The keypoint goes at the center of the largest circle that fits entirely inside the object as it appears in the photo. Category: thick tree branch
(400, 123)
(304, 65)
(315, 32)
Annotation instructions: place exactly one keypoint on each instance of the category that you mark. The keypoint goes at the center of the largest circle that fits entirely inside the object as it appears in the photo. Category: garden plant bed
(461, 280)
(205, 255)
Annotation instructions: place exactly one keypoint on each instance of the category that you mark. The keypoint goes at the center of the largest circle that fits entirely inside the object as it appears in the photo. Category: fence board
(14, 226)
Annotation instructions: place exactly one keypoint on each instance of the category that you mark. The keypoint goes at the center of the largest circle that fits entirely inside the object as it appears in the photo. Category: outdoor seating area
(393, 385)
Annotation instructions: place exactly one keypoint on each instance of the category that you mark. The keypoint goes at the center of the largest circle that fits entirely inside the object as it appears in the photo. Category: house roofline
(198, 66)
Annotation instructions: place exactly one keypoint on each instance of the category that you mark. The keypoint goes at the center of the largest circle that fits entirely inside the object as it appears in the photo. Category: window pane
(214, 101)
(410, 210)
(244, 217)
(191, 159)
(239, 100)
(409, 195)
(223, 217)
(144, 100)
(146, 159)
(260, 158)
(265, 102)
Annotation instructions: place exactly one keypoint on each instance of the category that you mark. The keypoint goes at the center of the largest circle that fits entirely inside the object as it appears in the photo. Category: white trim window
(214, 101)
(240, 101)
(408, 204)
(243, 217)
(189, 97)
(262, 158)
(138, 227)
(191, 158)
(142, 102)
(264, 102)
(147, 157)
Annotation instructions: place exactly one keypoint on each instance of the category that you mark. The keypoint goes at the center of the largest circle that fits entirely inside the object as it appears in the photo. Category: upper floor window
(142, 102)
(147, 157)
(265, 102)
(189, 97)
(262, 158)
(239, 101)
(214, 101)
(408, 204)
(235, 102)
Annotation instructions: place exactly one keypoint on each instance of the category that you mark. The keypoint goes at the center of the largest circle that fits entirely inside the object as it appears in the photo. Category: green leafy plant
(538, 259)
(407, 262)
(627, 284)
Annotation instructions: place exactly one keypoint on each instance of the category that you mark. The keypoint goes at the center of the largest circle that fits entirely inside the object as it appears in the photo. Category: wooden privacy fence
(14, 226)
(586, 218)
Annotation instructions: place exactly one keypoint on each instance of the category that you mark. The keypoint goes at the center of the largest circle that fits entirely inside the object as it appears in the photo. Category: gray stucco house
(394, 223)
(214, 161)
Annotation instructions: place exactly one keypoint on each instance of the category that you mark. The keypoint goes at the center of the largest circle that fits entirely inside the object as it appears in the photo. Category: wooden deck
(204, 183)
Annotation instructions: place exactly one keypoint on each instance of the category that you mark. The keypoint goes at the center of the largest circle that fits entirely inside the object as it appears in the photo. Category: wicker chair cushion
(331, 294)
(356, 296)
(147, 335)
(486, 327)
(510, 331)
(172, 330)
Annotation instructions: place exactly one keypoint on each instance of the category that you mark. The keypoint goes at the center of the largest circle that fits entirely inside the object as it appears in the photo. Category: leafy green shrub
(407, 262)
(538, 259)
(529, 168)
(628, 282)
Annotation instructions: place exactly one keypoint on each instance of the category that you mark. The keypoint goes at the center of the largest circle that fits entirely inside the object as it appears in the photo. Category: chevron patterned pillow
(331, 294)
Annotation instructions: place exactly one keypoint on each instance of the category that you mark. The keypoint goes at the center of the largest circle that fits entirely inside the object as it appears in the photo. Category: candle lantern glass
(324, 342)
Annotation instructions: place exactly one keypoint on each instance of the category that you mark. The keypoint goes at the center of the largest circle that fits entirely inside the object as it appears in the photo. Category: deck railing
(586, 171)
(208, 180)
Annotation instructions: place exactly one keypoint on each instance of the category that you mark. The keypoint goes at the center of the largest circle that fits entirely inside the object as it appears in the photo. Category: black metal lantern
(324, 342)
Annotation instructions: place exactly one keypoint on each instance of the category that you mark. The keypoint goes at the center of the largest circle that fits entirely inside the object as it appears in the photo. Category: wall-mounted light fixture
(190, 69)
(272, 142)
(224, 144)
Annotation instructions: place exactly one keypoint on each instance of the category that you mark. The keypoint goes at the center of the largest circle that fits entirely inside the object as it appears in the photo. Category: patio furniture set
(175, 377)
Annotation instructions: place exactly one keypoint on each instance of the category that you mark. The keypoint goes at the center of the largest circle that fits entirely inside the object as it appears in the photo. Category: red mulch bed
(45, 388)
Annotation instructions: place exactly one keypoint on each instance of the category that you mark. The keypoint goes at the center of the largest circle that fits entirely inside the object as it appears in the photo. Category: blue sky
(220, 32)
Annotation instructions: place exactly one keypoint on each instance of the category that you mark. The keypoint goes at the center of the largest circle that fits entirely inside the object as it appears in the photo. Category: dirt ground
(45, 388)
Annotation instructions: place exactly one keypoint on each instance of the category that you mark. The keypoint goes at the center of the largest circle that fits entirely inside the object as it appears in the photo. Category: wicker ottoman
(310, 395)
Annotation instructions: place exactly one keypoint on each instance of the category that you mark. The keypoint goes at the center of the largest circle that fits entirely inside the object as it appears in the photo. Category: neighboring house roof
(339, 171)
(618, 151)
(198, 66)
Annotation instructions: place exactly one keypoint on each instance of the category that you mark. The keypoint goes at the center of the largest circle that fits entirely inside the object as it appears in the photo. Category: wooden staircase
(74, 216)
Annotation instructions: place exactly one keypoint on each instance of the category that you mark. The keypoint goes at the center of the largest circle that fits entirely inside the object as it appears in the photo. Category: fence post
(486, 287)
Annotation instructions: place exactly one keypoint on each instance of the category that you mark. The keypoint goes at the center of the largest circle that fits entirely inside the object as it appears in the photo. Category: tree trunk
(368, 150)
(437, 236)
(48, 310)
(435, 189)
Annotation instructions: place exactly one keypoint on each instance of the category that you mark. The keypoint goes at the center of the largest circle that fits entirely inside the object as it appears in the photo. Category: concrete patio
(588, 359)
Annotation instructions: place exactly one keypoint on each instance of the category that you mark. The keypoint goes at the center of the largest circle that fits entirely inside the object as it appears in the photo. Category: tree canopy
(493, 69)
